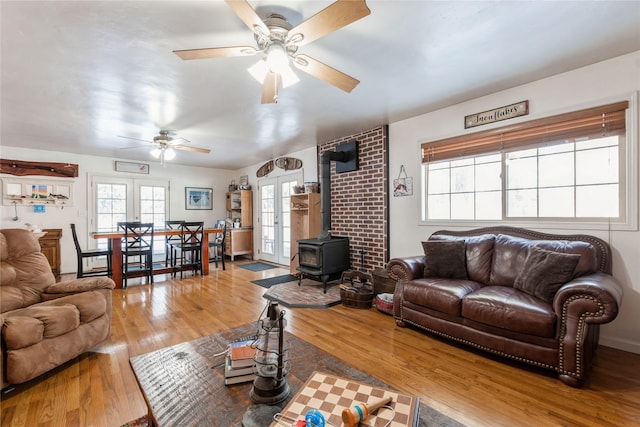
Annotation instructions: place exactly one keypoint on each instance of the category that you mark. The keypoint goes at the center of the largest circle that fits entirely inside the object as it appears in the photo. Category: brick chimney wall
(359, 199)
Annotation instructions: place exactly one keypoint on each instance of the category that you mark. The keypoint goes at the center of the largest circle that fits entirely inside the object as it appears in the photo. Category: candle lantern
(270, 386)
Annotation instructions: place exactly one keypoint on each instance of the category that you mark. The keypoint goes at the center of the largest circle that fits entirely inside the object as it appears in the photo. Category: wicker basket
(382, 283)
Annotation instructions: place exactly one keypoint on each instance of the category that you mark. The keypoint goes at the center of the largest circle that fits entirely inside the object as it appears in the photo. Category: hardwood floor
(99, 388)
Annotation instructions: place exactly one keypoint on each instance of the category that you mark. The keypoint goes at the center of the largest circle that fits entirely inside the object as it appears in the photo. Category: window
(558, 168)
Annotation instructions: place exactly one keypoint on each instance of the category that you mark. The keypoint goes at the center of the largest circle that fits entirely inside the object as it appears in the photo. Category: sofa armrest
(407, 268)
(79, 285)
(596, 296)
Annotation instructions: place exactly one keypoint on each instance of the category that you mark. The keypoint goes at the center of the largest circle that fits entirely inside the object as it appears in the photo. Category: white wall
(54, 217)
(597, 84)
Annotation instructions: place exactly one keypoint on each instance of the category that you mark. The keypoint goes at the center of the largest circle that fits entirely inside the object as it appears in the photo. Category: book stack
(239, 364)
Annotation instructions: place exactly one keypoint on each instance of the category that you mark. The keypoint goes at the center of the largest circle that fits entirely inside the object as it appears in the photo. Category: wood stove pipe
(325, 189)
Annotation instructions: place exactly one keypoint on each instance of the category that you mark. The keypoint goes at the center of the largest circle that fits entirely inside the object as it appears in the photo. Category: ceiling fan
(166, 145)
(279, 41)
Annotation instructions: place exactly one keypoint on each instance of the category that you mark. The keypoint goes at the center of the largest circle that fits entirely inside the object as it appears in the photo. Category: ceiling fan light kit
(165, 146)
(279, 41)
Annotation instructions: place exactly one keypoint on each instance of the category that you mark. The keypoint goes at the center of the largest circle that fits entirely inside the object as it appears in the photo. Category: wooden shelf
(306, 222)
(239, 241)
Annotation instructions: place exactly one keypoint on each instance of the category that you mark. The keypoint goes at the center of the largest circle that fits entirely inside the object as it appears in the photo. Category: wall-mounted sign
(132, 167)
(497, 114)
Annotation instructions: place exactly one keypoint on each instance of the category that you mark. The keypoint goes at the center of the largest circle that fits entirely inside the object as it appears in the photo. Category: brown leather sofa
(44, 323)
(542, 306)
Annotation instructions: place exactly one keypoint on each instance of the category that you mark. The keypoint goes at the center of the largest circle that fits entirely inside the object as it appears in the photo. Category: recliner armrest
(407, 268)
(80, 285)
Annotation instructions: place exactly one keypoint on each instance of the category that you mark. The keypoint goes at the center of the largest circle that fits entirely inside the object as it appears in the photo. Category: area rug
(210, 403)
(257, 266)
(270, 281)
(310, 294)
(140, 422)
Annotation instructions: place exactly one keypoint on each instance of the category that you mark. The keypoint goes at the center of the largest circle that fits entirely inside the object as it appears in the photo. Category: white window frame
(628, 191)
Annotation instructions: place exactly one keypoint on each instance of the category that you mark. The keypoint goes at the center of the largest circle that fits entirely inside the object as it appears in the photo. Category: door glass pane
(268, 219)
(285, 218)
(111, 208)
(153, 209)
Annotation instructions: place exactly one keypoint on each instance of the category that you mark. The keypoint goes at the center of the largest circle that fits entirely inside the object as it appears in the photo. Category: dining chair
(217, 243)
(171, 240)
(138, 244)
(189, 248)
(81, 255)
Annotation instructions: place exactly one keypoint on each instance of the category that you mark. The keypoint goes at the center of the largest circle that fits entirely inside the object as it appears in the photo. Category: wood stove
(322, 258)
(327, 254)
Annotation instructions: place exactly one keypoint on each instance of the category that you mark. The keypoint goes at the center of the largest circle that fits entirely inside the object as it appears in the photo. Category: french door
(120, 199)
(275, 217)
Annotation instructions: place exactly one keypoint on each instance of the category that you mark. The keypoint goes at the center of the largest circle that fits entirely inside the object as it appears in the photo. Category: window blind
(591, 122)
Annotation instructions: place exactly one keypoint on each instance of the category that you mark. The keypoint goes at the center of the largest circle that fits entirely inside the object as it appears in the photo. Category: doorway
(275, 217)
(121, 199)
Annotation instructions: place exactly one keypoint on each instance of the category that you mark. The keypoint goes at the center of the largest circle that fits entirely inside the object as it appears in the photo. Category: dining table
(115, 240)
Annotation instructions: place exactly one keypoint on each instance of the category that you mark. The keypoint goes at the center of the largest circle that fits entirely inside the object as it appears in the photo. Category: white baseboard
(620, 344)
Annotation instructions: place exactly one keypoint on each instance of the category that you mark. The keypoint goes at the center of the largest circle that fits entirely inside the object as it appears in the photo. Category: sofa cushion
(445, 259)
(511, 309)
(545, 272)
(509, 254)
(588, 258)
(443, 295)
(479, 252)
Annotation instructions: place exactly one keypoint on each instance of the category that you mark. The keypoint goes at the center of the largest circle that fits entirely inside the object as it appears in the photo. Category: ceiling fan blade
(248, 15)
(189, 148)
(135, 139)
(324, 72)
(216, 52)
(175, 141)
(270, 88)
(332, 18)
(134, 147)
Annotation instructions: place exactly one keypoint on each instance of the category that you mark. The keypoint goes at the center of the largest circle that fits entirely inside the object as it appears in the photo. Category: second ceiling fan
(164, 145)
(279, 41)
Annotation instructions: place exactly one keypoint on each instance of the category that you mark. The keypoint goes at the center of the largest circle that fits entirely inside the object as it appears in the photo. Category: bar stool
(217, 244)
(138, 243)
(171, 240)
(189, 248)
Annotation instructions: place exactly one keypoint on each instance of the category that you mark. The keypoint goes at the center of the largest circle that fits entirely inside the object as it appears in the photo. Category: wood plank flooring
(99, 388)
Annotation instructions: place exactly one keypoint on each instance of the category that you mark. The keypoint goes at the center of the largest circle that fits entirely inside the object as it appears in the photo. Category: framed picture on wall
(198, 198)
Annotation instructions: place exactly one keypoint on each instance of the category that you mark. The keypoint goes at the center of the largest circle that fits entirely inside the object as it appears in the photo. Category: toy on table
(351, 417)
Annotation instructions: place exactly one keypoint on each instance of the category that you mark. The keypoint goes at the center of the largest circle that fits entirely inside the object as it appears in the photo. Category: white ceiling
(76, 74)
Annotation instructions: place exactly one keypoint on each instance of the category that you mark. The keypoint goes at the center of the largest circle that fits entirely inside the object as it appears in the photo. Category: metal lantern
(270, 386)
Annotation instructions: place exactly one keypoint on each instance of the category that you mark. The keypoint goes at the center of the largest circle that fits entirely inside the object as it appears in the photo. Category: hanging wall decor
(288, 163)
(265, 169)
(402, 185)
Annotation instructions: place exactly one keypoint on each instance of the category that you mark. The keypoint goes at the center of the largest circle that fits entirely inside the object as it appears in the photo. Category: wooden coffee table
(183, 385)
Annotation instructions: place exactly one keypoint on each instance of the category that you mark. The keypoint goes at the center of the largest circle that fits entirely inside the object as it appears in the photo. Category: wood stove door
(275, 218)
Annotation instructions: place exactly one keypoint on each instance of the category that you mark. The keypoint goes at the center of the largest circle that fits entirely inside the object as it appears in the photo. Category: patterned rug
(140, 422)
(226, 406)
(308, 295)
